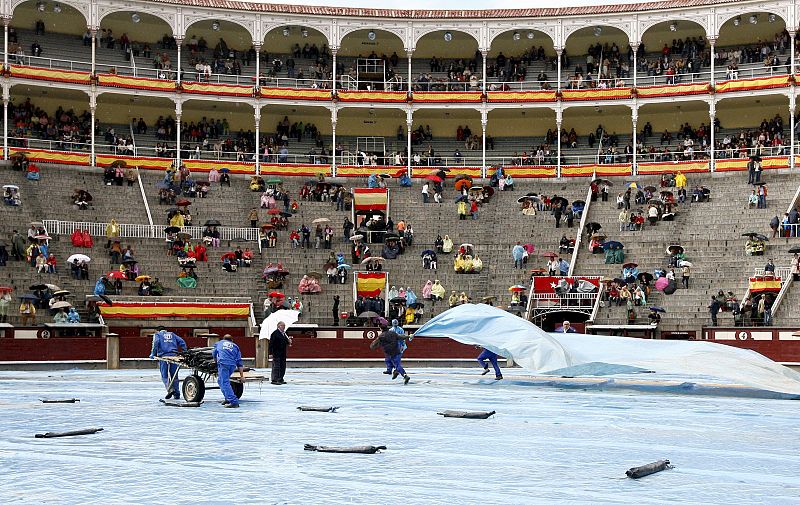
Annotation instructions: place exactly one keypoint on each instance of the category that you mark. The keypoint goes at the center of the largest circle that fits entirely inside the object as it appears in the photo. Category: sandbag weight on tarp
(467, 415)
(648, 469)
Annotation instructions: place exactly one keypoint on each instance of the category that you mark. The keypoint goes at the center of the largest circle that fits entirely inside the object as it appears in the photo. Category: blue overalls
(228, 358)
(166, 343)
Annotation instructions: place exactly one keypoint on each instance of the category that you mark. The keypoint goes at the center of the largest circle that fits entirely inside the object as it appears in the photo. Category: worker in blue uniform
(229, 359)
(492, 357)
(403, 346)
(166, 343)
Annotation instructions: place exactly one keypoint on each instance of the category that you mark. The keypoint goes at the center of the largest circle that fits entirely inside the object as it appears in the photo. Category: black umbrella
(385, 176)
(38, 287)
(761, 237)
(461, 198)
(427, 251)
(559, 200)
(417, 305)
(795, 249)
(750, 234)
(759, 183)
(657, 309)
(645, 277)
(172, 229)
(391, 236)
(594, 226)
(286, 214)
(172, 209)
(398, 299)
(129, 261)
(28, 296)
(603, 181)
(613, 243)
(649, 188)
(212, 222)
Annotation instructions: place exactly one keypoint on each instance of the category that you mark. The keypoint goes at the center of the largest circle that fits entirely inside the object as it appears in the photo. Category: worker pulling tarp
(565, 353)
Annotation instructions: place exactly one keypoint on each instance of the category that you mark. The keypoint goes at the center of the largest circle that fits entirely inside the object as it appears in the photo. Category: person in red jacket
(200, 252)
(87, 239)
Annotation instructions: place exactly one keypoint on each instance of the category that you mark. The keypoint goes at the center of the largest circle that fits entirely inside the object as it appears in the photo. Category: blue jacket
(99, 287)
(166, 343)
(227, 353)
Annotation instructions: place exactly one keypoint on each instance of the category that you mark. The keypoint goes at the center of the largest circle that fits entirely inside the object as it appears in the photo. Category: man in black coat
(389, 341)
(279, 342)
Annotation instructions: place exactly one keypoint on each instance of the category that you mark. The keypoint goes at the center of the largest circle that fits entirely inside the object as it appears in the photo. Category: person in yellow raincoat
(112, 231)
(177, 220)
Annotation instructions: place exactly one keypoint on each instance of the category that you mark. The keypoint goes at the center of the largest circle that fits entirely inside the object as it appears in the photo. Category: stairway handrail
(584, 216)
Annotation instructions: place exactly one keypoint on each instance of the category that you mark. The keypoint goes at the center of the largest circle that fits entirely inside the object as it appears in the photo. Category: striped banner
(321, 95)
(447, 96)
(666, 167)
(419, 172)
(43, 156)
(370, 283)
(595, 94)
(530, 171)
(596, 170)
(373, 96)
(521, 96)
(235, 167)
(201, 88)
(672, 90)
(118, 81)
(188, 310)
(740, 164)
(370, 198)
(46, 74)
(143, 162)
(765, 284)
(295, 169)
(780, 81)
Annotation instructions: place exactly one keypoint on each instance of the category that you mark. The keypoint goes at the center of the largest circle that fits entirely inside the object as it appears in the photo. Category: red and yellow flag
(765, 284)
(137, 310)
(370, 198)
(370, 283)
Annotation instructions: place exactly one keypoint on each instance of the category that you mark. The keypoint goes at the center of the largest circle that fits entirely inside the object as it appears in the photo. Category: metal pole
(558, 141)
(93, 30)
(334, 51)
(635, 49)
(333, 150)
(6, 22)
(712, 41)
(634, 120)
(559, 52)
(93, 109)
(179, 42)
(409, 53)
(484, 53)
(5, 127)
(791, 50)
(484, 122)
(409, 126)
(712, 113)
(792, 124)
(257, 118)
(178, 110)
(257, 47)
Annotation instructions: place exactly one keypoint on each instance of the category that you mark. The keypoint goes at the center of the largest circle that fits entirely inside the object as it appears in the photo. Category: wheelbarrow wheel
(238, 389)
(194, 388)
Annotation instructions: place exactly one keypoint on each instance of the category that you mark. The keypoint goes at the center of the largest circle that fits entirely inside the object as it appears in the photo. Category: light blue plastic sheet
(544, 445)
(539, 352)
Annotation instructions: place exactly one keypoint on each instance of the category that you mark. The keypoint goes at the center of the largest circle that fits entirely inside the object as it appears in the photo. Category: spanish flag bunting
(370, 283)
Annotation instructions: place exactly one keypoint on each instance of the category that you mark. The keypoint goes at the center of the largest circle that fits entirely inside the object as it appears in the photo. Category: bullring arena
(455, 175)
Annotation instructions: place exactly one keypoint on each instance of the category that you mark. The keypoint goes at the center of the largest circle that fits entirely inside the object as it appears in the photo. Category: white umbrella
(79, 257)
(10, 186)
(356, 237)
(321, 220)
(270, 323)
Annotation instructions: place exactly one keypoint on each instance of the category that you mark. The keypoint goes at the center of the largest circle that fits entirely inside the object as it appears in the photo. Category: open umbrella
(523, 199)
(417, 305)
(762, 238)
(321, 220)
(142, 278)
(183, 202)
(667, 192)
(315, 275)
(657, 309)
(356, 237)
(661, 283)
(61, 305)
(286, 214)
(274, 180)
(37, 224)
(203, 183)
(517, 288)
(369, 314)
(463, 183)
(434, 178)
(224, 170)
(598, 236)
(129, 261)
(273, 212)
(172, 229)
(795, 249)
(476, 189)
(184, 236)
(37, 287)
(559, 200)
(632, 185)
(675, 249)
(549, 254)
(630, 264)
(171, 210)
(270, 324)
(267, 226)
(398, 299)
(603, 181)
(427, 251)
(116, 275)
(385, 176)
(276, 294)
(61, 292)
(645, 277)
(579, 203)
(750, 234)
(372, 259)
(79, 257)
(650, 188)
(466, 245)
(11, 186)
(344, 266)
(119, 164)
(52, 287)
(686, 264)
(42, 237)
(6, 289)
(381, 321)
(212, 222)
(229, 255)
(28, 296)
(391, 236)
(594, 226)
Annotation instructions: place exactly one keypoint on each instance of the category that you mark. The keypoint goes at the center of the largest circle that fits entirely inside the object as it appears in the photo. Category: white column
(6, 22)
(6, 98)
(334, 120)
(257, 47)
(93, 30)
(178, 111)
(409, 53)
(409, 126)
(179, 42)
(484, 53)
(257, 117)
(334, 51)
(634, 48)
(484, 122)
(792, 111)
(791, 49)
(559, 52)
(634, 121)
(712, 41)
(559, 115)
(712, 114)
(93, 126)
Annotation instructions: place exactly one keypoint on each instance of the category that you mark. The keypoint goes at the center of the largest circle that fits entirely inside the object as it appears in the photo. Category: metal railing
(146, 231)
(579, 236)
